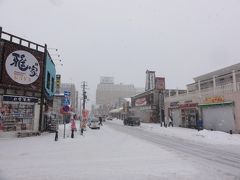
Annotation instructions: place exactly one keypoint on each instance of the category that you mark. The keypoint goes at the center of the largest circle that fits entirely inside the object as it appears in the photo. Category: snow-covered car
(109, 118)
(94, 123)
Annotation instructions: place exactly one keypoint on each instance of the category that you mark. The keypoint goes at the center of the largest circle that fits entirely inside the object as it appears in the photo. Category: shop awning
(118, 110)
(216, 104)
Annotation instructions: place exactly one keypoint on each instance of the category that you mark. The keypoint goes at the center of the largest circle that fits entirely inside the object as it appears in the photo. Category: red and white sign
(141, 101)
(85, 114)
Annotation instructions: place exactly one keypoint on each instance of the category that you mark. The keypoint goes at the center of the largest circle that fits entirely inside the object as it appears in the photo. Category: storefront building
(218, 114)
(184, 114)
(149, 105)
(218, 97)
(146, 106)
(22, 96)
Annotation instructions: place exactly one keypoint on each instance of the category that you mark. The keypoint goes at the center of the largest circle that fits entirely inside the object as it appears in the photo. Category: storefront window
(52, 85)
(48, 80)
(17, 116)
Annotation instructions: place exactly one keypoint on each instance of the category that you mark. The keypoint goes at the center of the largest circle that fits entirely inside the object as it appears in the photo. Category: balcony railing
(219, 90)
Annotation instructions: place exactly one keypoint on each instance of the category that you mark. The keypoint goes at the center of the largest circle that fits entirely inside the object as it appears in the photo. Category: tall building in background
(110, 94)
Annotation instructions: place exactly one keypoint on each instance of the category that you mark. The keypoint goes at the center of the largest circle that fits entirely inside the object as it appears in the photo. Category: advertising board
(22, 66)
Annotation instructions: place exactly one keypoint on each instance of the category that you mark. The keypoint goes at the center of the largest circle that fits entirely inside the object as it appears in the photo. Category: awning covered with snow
(118, 110)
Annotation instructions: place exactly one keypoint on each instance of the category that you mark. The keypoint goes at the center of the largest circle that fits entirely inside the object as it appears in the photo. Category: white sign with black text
(22, 67)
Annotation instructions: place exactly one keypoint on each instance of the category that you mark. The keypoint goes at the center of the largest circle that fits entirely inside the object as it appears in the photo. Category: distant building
(108, 93)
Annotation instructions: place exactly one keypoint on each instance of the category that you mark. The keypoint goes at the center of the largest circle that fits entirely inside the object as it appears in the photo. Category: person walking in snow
(100, 121)
(73, 125)
(170, 121)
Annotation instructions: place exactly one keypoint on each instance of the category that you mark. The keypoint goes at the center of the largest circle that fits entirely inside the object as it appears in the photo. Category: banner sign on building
(160, 83)
(22, 67)
(141, 101)
(85, 114)
(20, 99)
(188, 105)
(215, 99)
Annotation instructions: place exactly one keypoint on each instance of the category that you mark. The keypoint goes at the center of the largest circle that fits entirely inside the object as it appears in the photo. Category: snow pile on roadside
(219, 137)
(204, 136)
(6, 135)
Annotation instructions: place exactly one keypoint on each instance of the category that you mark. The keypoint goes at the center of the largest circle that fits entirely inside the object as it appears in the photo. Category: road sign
(67, 93)
(65, 108)
(66, 101)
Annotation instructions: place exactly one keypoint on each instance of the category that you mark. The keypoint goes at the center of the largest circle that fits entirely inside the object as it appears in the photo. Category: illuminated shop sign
(22, 67)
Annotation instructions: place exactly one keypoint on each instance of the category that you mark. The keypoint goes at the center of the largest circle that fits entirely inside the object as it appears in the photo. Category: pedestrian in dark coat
(100, 121)
(56, 136)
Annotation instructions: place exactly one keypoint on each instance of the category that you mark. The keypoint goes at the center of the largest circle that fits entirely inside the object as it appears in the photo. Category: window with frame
(52, 85)
(48, 80)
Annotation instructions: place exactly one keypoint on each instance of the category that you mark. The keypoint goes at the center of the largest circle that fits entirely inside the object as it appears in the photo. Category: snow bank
(204, 136)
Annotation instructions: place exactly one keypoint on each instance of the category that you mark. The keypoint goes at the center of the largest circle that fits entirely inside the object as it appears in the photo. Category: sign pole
(64, 122)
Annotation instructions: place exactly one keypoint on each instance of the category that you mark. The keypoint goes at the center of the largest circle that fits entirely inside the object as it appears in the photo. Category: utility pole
(83, 123)
(84, 85)
(41, 118)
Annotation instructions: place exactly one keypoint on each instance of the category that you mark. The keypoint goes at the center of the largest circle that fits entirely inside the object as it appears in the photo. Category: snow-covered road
(219, 159)
(113, 152)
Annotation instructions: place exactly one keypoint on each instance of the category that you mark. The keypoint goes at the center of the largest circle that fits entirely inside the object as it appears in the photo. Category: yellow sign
(58, 81)
(215, 99)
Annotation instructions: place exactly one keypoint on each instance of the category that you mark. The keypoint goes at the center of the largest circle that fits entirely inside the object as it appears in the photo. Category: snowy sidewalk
(102, 154)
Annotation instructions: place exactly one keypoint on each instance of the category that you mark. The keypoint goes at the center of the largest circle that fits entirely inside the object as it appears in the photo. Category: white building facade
(213, 98)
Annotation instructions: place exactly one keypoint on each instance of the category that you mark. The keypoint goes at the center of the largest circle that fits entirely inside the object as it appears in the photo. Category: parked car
(132, 121)
(109, 118)
(94, 123)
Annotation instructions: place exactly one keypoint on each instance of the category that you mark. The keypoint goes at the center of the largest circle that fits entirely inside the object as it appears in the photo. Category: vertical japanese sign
(85, 114)
(22, 67)
(58, 83)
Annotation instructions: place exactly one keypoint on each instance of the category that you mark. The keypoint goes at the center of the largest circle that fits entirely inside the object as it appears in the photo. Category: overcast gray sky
(179, 39)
